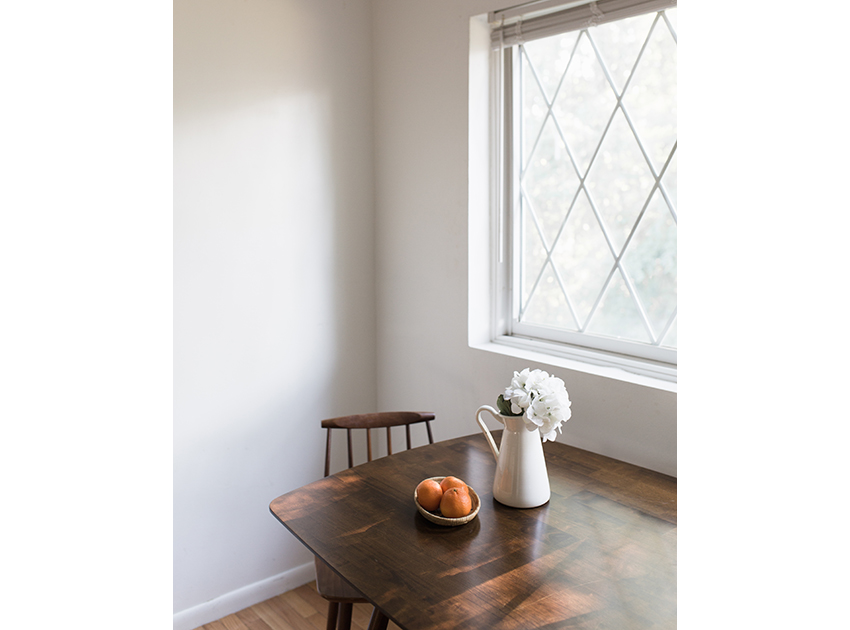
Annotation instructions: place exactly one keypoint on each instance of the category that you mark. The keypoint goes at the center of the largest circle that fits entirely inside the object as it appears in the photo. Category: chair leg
(333, 612)
(344, 622)
(378, 621)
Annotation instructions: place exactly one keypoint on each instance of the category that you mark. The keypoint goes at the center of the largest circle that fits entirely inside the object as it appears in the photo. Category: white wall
(421, 130)
(274, 291)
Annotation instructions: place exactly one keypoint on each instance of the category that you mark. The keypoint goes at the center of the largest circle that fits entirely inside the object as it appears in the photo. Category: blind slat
(519, 30)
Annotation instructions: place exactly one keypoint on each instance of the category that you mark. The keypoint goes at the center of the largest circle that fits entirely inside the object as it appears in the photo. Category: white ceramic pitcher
(521, 478)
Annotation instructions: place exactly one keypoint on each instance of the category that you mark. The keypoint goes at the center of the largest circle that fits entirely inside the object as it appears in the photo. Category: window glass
(594, 170)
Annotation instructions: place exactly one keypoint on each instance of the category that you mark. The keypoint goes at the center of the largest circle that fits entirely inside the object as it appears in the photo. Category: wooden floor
(299, 609)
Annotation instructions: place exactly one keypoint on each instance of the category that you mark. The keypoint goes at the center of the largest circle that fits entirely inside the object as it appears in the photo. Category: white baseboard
(244, 597)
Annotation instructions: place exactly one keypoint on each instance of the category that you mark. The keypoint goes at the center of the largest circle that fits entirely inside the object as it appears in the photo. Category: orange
(456, 502)
(452, 482)
(429, 493)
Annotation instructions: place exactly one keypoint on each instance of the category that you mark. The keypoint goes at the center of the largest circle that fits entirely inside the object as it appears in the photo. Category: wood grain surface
(601, 554)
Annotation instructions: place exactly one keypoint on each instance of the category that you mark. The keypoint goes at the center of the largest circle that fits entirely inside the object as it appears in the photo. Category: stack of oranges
(450, 497)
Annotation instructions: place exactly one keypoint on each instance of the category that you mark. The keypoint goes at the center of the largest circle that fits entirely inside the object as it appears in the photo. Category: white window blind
(535, 20)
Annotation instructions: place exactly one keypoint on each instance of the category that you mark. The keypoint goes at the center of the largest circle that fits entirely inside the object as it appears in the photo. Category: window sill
(625, 369)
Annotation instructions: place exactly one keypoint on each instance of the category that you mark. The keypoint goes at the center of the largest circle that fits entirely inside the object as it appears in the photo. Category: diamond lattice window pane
(550, 181)
(651, 96)
(549, 57)
(619, 181)
(582, 258)
(650, 262)
(535, 109)
(584, 104)
(533, 257)
(619, 44)
(617, 315)
(548, 306)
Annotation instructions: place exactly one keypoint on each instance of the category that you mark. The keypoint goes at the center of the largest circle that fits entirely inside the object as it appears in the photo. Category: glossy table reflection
(600, 554)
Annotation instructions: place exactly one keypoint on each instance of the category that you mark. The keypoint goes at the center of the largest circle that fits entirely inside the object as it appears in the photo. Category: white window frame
(640, 359)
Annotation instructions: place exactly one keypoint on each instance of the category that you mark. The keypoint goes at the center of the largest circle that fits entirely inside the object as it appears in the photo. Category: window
(585, 178)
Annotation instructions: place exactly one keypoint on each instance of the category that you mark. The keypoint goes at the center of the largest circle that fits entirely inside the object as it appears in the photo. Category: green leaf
(505, 407)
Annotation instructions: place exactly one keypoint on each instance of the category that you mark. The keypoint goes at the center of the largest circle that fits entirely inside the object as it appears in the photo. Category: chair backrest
(369, 421)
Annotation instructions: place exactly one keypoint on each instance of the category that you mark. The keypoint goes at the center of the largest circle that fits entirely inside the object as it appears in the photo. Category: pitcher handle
(485, 430)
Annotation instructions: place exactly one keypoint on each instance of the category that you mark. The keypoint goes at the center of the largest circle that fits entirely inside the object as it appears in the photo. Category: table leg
(378, 621)
(333, 612)
(344, 622)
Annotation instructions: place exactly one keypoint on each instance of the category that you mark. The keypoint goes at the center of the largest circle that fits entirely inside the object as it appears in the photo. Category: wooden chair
(340, 595)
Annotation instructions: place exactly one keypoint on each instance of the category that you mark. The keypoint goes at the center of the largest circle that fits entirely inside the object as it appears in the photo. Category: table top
(600, 554)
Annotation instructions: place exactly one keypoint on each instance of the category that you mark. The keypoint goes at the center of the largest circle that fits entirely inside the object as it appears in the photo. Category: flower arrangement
(541, 398)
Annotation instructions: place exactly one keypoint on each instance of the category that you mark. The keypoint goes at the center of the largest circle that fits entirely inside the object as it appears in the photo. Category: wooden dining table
(600, 554)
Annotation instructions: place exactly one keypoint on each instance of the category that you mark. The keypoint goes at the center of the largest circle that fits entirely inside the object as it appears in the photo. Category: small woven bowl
(449, 522)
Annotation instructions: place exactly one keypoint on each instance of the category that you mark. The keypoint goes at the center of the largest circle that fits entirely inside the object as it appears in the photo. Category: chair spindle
(328, 454)
(369, 445)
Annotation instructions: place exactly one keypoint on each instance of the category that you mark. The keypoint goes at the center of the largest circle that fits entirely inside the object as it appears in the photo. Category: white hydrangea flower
(542, 398)
(519, 399)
